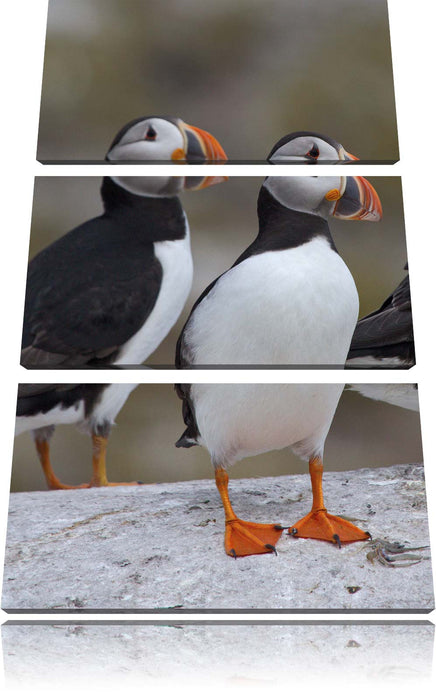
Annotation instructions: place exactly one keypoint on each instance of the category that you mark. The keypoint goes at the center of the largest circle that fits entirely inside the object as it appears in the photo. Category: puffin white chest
(177, 271)
(295, 306)
(239, 420)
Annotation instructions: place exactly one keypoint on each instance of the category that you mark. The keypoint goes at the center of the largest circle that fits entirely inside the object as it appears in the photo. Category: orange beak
(198, 183)
(211, 147)
(208, 181)
(359, 201)
(349, 156)
(201, 147)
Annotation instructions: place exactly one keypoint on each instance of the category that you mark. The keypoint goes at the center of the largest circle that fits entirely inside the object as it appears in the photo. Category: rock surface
(160, 547)
(128, 653)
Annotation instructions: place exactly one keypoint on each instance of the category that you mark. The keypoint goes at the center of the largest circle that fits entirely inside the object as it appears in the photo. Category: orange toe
(54, 484)
(94, 483)
(243, 538)
(59, 485)
(320, 525)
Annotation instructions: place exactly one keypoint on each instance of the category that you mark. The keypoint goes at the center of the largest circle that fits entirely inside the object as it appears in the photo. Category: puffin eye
(313, 153)
(151, 134)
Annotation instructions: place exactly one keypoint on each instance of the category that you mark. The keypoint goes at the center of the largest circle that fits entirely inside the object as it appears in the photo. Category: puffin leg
(319, 524)
(99, 477)
(43, 449)
(242, 537)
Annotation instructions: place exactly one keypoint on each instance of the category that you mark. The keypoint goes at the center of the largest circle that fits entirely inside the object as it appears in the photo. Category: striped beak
(199, 183)
(358, 201)
(211, 148)
(200, 147)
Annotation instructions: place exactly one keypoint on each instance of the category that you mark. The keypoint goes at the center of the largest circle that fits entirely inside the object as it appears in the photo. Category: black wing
(40, 398)
(191, 434)
(388, 331)
(87, 294)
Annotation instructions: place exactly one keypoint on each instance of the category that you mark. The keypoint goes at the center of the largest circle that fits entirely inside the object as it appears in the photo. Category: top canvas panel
(248, 72)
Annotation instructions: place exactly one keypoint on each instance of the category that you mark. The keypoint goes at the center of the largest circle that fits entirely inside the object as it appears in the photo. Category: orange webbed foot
(320, 525)
(243, 538)
(56, 485)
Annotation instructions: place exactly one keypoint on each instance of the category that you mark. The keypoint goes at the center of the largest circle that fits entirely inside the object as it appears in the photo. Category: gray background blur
(223, 222)
(364, 433)
(248, 71)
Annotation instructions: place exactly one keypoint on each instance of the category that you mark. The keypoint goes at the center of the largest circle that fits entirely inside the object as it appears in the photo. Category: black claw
(282, 527)
(140, 483)
(233, 554)
(271, 548)
(337, 540)
(369, 534)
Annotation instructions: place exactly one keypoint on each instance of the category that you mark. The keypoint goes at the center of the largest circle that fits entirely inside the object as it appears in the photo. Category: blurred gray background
(223, 222)
(364, 433)
(248, 71)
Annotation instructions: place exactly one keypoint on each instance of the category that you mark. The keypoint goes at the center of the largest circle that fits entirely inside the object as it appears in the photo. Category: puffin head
(164, 140)
(308, 147)
(342, 197)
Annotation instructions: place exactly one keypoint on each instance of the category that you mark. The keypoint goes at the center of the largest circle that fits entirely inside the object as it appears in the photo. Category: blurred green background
(364, 433)
(248, 71)
(223, 222)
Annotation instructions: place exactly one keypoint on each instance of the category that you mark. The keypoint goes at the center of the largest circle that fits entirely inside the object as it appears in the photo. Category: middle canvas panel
(252, 272)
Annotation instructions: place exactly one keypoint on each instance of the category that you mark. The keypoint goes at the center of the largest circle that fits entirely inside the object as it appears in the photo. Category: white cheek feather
(295, 150)
(134, 146)
(241, 420)
(57, 416)
(176, 260)
(294, 307)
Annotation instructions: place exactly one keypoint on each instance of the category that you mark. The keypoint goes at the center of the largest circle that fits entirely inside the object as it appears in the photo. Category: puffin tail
(191, 435)
(187, 439)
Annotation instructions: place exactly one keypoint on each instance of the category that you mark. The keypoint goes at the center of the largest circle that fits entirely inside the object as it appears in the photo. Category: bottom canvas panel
(352, 539)
(125, 654)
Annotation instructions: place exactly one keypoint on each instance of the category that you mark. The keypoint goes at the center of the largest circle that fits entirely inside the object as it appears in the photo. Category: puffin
(91, 407)
(289, 299)
(384, 338)
(109, 291)
(308, 147)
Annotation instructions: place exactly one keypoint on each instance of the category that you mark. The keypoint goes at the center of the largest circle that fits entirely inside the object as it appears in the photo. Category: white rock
(160, 546)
